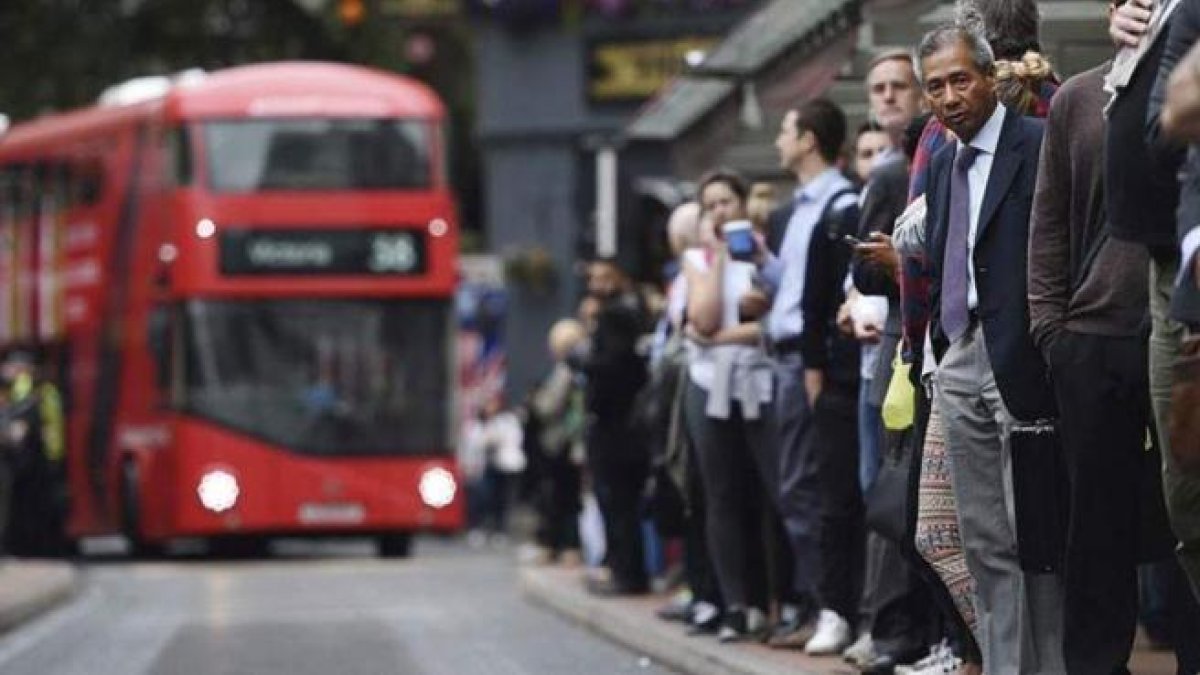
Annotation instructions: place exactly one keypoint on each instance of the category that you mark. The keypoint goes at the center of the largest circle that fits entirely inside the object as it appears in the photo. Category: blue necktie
(955, 314)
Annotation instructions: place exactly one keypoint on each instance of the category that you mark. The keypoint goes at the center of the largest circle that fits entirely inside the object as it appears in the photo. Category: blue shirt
(787, 273)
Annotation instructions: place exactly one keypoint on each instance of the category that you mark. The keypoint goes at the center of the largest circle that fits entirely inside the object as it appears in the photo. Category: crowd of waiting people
(936, 411)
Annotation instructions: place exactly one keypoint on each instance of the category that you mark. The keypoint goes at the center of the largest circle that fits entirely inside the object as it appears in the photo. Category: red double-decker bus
(242, 284)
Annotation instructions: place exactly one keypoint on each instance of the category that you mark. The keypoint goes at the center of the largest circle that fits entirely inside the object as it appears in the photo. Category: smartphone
(851, 240)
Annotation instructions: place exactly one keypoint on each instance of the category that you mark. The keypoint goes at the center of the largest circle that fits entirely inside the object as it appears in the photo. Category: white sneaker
(861, 653)
(940, 661)
(756, 621)
(832, 636)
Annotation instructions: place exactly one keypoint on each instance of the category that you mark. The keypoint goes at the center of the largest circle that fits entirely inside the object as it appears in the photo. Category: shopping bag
(898, 410)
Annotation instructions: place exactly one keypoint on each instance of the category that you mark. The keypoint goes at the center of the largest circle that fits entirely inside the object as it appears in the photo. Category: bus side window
(88, 182)
(158, 338)
(177, 156)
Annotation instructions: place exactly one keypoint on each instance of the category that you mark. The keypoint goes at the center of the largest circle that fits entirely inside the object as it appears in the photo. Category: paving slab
(30, 587)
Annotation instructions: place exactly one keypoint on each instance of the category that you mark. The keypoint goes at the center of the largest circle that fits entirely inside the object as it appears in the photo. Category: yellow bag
(898, 409)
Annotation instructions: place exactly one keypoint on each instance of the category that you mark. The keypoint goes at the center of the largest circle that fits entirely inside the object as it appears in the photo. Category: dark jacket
(1183, 33)
(1000, 262)
(887, 196)
(1141, 206)
(822, 345)
(615, 371)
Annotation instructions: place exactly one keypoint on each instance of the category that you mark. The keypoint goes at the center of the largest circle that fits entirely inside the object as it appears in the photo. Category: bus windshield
(322, 377)
(317, 154)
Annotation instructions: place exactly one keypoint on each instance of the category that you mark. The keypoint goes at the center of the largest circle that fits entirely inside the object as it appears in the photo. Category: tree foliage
(61, 53)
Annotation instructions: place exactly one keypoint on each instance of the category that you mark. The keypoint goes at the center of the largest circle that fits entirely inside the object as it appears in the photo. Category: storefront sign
(633, 70)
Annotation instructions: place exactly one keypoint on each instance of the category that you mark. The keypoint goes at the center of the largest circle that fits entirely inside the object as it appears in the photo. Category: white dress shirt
(786, 319)
(977, 177)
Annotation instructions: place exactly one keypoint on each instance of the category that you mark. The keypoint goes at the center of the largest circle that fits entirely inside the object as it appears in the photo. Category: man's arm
(1050, 231)
(1184, 32)
(828, 262)
(1181, 111)
(886, 202)
(770, 274)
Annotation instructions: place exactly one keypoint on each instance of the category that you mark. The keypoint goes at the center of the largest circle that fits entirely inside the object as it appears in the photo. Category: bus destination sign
(365, 252)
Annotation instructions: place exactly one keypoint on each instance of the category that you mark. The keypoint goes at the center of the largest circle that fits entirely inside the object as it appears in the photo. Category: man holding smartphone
(815, 380)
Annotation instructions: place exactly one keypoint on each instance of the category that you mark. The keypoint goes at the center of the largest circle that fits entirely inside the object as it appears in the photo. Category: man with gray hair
(893, 605)
(990, 374)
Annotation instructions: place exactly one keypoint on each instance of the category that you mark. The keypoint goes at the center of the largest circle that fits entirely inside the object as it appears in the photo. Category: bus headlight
(437, 488)
(218, 491)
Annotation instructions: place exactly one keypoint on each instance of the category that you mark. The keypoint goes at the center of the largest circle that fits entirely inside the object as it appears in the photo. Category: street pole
(606, 201)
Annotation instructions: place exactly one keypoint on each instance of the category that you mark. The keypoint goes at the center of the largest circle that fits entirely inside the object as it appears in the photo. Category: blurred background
(538, 92)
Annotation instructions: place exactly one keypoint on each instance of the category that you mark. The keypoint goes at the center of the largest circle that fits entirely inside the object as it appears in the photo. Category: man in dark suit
(990, 373)
(1182, 490)
(1181, 117)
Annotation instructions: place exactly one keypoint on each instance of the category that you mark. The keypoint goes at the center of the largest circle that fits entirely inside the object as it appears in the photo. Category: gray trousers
(1019, 615)
(799, 483)
(1182, 492)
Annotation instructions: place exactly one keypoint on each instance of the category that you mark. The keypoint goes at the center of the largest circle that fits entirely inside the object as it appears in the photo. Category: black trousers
(619, 471)
(842, 531)
(901, 608)
(698, 566)
(558, 503)
(732, 457)
(1102, 388)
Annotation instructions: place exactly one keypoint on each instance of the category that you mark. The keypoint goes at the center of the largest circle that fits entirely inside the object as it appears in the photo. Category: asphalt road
(446, 611)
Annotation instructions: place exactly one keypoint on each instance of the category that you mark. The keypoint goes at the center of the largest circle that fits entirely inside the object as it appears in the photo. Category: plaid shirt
(916, 275)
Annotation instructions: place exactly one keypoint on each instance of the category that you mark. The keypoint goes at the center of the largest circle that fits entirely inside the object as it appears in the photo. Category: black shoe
(882, 664)
(885, 664)
(741, 625)
(791, 634)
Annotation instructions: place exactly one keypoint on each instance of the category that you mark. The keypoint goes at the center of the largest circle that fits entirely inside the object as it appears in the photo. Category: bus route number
(392, 253)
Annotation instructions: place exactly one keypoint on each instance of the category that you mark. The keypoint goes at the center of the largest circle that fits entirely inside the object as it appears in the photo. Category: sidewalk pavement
(30, 587)
(631, 622)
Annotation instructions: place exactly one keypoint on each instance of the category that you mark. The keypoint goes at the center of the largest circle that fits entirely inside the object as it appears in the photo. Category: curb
(627, 623)
(29, 588)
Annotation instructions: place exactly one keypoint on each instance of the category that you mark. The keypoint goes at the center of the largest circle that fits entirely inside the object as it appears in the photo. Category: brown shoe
(791, 635)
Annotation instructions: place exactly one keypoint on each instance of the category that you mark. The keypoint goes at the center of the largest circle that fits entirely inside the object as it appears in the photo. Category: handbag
(1039, 477)
(891, 509)
(1185, 408)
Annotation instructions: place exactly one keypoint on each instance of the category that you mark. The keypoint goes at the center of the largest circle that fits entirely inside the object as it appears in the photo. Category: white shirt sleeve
(1191, 243)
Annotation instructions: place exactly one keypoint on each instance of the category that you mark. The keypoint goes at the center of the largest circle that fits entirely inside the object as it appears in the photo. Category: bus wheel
(395, 545)
(131, 515)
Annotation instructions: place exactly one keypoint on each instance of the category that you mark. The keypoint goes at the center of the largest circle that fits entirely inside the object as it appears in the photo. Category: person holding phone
(727, 409)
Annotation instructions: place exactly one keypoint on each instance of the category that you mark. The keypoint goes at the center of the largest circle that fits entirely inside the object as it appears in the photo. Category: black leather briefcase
(1040, 490)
